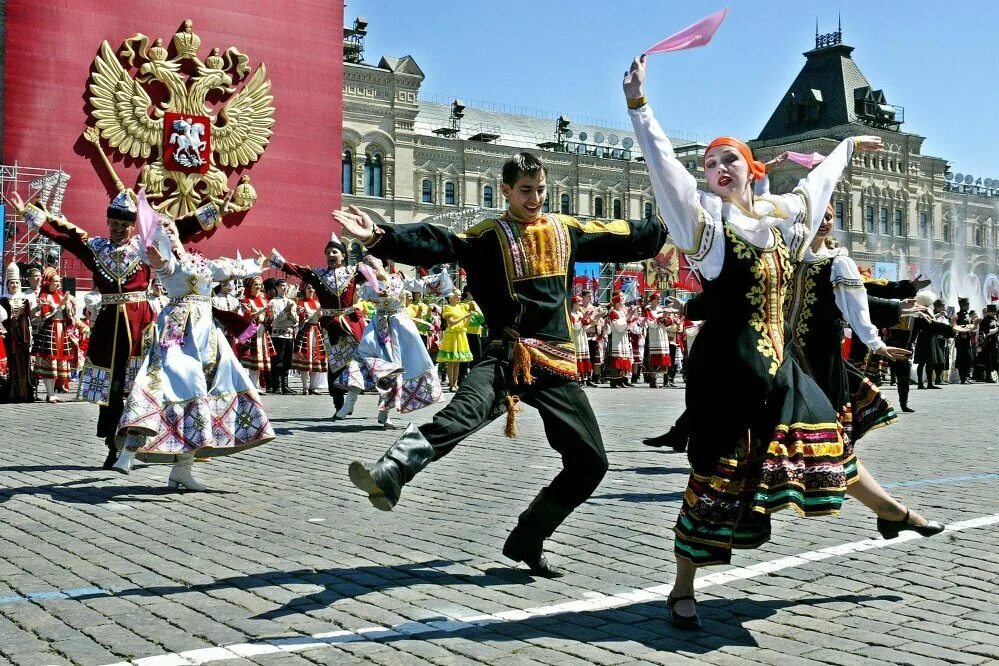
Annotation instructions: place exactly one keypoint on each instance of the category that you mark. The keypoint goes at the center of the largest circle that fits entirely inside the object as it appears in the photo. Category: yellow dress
(454, 347)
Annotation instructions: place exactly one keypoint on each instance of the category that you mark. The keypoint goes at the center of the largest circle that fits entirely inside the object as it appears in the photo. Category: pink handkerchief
(691, 37)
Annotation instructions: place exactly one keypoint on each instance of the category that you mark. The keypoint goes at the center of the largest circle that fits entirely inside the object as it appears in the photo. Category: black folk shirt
(521, 273)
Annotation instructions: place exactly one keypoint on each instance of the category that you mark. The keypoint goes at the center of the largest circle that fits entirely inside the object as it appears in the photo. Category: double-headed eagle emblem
(181, 134)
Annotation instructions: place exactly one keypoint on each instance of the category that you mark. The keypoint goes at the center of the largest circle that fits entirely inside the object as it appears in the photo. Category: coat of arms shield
(187, 142)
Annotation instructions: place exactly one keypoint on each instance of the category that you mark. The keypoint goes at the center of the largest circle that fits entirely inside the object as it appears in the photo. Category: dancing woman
(191, 398)
(766, 438)
(391, 357)
(826, 290)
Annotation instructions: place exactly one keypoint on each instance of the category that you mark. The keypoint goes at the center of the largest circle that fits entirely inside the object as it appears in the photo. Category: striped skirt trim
(805, 467)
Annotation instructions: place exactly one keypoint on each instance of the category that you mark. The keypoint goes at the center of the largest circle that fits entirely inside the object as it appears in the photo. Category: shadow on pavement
(78, 492)
(653, 471)
(337, 584)
(641, 497)
(643, 623)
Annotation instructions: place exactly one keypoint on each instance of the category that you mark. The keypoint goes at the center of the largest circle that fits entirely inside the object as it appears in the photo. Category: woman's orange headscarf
(756, 169)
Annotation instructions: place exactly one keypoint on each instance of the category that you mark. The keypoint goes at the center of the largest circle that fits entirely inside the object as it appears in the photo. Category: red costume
(115, 348)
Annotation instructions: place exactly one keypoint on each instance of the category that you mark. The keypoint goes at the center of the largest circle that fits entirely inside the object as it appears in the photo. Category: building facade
(409, 158)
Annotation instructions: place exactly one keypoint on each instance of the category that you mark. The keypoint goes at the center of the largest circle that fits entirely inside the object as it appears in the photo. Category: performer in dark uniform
(766, 437)
(520, 268)
(988, 338)
(964, 352)
(931, 343)
(115, 351)
(342, 323)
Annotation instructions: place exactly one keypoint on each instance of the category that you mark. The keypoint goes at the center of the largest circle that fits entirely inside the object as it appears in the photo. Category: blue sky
(936, 59)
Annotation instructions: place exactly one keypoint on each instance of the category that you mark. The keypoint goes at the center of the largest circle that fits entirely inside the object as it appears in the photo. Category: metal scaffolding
(46, 186)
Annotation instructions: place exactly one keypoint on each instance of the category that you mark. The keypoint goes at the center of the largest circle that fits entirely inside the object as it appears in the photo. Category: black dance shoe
(534, 558)
(890, 529)
(685, 622)
(672, 439)
(907, 409)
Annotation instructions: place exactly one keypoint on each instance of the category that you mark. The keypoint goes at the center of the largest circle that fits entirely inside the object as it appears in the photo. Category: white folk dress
(391, 357)
(191, 394)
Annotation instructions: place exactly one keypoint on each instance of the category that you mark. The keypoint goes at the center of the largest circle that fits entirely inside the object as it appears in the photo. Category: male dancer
(115, 351)
(284, 325)
(335, 285)
(519, 267)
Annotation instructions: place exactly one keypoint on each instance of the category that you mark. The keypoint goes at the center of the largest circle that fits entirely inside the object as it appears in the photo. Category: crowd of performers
(181, 347)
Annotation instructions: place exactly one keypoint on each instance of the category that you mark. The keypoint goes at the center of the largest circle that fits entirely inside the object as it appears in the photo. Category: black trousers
(965, 358)
(475, 346)
(569, 422)
(901, 370)
(109, 415)
(281, 363)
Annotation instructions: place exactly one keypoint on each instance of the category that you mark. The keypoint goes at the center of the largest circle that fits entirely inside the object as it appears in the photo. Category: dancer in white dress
(191, 397)
(391, 356)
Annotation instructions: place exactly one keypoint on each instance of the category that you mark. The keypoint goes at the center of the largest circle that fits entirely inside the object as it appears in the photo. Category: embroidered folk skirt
(192, 396)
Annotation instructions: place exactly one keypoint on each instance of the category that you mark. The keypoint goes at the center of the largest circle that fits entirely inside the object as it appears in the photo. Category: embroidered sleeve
(70, 237)
(616, 240)
(201, 221)
(851, 299)
(227, 269)
(799, 213)
(419, 244)
(691, 227)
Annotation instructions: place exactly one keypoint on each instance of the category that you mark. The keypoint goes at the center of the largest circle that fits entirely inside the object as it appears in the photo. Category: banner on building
(885, 270)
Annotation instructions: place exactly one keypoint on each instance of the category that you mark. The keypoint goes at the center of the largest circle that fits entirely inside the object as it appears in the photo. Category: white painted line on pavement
(592, 601)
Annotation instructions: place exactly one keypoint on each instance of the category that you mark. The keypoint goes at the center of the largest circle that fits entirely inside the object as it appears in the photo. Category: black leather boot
(112, 453)
(383, 481)
(674, 438)
(527, 540)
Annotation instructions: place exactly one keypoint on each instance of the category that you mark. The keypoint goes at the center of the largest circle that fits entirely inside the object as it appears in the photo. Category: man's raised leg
(471, 408)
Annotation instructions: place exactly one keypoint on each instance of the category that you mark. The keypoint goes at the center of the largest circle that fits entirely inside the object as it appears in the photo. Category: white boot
(348, 405)
(387, 424)
(180, 474)
(127, 455)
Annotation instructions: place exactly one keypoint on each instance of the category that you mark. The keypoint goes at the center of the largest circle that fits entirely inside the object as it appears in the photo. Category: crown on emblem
(187, 43)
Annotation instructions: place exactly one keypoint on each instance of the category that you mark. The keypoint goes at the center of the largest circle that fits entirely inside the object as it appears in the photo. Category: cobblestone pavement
(285, 562)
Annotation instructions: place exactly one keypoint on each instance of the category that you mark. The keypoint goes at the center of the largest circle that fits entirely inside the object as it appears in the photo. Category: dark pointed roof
(829, 91)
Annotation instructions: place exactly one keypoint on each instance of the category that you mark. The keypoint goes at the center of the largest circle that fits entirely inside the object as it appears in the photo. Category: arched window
(428, 191)
(449, 194)
(564, 205)
(617, 209)
(598, 207)
(373, 175)
(840, 215)
(647, 212)
(899, 222)
(487, 196)
(883, 221)
(869, 219)
(546, 207)
(924, 225)
(347, 172)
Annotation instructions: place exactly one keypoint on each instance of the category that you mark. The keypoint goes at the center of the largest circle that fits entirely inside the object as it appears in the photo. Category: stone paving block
(190, 571)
